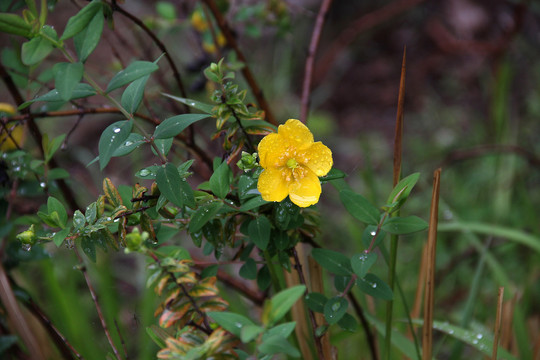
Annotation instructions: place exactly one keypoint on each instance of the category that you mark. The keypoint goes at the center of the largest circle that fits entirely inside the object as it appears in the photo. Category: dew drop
(26, 247)
(109, 218)
(42, 184)
(373, 233)
(116, 220)
(128, 143)
(374, 285)
(144, 172)
(336, 306)
(479, 336)
(450, 332)
(116, 130)
(475, 342)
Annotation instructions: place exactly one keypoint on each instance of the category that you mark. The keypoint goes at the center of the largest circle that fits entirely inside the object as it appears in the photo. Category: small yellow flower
(292, 164)
(15, 130)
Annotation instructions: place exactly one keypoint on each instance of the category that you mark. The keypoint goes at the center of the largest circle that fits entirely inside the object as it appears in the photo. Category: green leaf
(53, 205)
(133, 95)
(80, 21)
(282, 302)
(333, 174)
(163, 146)
(220, 180)
(35, 50)
(14, 24)
(231, 322)
(333, 261)
(361, 263)
(334, 309)
(175, 125)
(134, 71)
(348, 323)
(204, 214)
(249, 270)
(359, 207)
(368, 234)
(60, 236)
(132, 142)
(281, 330)
(250, 332)
(87, 40)
(206, 108)
(111, 139)
(259, 231)
(81, 91)
(315, 301)
(66, 78)
(89, 248)
(263, 278)
(404, 225)
(277, 345)
(253, 203)
(173, 187)
(53, 146)
(401, 192)
(78, 220)
(375, 287)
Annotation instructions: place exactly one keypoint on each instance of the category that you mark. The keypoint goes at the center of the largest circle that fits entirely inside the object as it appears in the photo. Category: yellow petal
(305, 190)
(297, 133)
(318, 157)
(273, 185)
(268, 150)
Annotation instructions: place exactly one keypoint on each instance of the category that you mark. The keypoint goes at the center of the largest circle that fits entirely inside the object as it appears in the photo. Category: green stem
(390, 304)
(276, 284)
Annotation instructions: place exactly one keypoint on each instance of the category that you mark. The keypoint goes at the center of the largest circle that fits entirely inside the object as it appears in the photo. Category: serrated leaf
(87, 40)
(259, 231)
(133, 95)
(175, 125)
(230, 321)
(361, 263)
(111, 139)
(204, 214)
(206, 108)
(132, 72)
(283, 301)
(372, 285)
(404, 225)
(359, 207)
(334, 309)
(315, 301)
(173, 187)
(14, 24)
(220, 180)
(35, 50)
(333, 261)
(66, 78)
(79, 21)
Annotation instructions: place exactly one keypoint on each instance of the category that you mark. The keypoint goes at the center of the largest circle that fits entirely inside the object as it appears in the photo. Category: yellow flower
(292, 164)
(14, 129)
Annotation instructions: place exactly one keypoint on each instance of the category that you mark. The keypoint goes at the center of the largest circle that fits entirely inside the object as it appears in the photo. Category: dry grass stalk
(427, 330)
(498, 323)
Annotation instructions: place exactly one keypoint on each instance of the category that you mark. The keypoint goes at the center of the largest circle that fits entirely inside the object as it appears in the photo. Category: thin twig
(313, 45)
(298, 268)
(82, 267)
(246, 71)
(121, 340)
(429, 289)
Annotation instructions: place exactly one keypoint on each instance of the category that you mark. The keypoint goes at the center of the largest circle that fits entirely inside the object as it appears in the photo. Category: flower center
(292, 164)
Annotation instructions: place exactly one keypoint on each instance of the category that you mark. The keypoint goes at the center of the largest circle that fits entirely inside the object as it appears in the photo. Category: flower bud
(28, 237)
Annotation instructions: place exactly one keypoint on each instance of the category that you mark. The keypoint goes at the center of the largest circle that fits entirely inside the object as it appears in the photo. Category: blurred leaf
(348, 323)
(253, 203)
(133, 95)
(206, 108)
(79, 21)
(375, 287)
(173, 187)
(166, 10)
(249, 270)
(361, 263)
(281, 330)
(334, 174)
(35, 50)
(14, 24)
(220, 180)
(259, 231)
(132, 72)
(263, 278)
(111, 139)
(66, 78)
(89, 248)
(87, 40)
(60, 236)
(404, 225)
(341, 282)
(230, 321)
(315, 301)
(283, 301)
(204, 214)
(250, 332)
(333, 261)
(175, 125)
(334, 309)
(278, 345)
(50, 148)
(359, 207)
